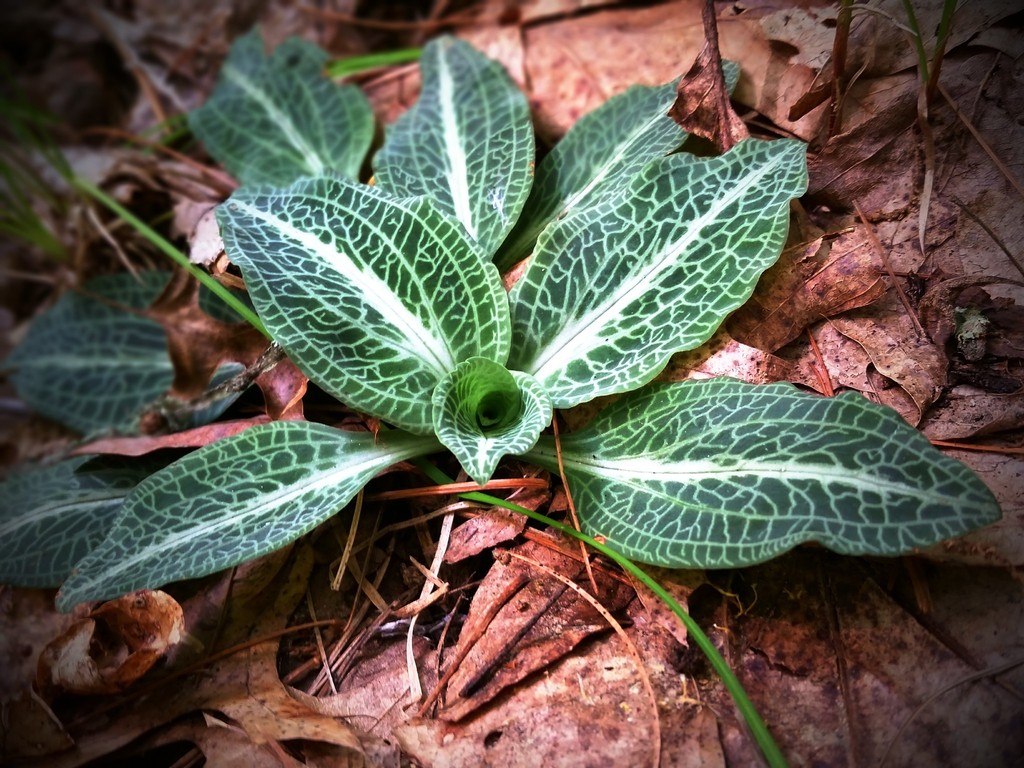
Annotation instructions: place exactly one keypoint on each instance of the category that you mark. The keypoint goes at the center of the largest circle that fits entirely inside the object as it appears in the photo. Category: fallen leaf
(520, 622)
(913, 363)
(29, 728)
(111, 649)
(483, 532)
(966, 413)
(702, 102)
(815, 278)
(190, 438)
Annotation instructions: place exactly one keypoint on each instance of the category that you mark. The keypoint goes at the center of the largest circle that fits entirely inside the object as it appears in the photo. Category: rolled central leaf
(482, 411)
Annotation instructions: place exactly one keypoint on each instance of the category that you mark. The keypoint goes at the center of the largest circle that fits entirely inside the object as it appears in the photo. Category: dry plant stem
(884, 256)
(1007, 174)
(346, 553)
(928, 142)
(990, 672)
(356, 21)
(321, 651)
(427, 596)
(839, 49)
(571, 503)
(821, 370)
(644, 677)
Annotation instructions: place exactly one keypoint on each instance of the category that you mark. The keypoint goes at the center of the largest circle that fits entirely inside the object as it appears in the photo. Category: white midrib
(312, 159)
(422, 344)
(271, 501)
(457, 175)
(568, 345)
(639, 471)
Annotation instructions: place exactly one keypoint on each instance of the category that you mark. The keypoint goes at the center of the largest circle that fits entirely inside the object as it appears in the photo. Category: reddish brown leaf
(520, 622)
(702, 102)
(190, 438)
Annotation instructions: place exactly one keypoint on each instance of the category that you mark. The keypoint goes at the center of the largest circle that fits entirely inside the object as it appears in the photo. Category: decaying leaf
(520, 622)
(912, 362)
(116, 645)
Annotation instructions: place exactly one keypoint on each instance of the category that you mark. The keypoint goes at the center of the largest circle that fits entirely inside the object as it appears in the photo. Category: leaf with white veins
(467, 143)
(719, 473)
(232, 501)
(613, 291)
(374, 298)
(597, 156)
(53, 516)
(271, 120)
(483, 411)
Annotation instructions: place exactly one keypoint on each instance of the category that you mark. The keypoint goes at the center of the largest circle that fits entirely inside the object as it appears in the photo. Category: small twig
(570, 502)
(346, 553)
(884, 256)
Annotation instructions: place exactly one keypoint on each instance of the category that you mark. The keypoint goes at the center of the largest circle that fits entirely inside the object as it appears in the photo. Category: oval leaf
(483, 411)
(53, 516)
(719, 473)
(232, 501)
(599, 154)
(90, 364)
(374, 298)
(613, 291)
(467, 143)
(271, 120)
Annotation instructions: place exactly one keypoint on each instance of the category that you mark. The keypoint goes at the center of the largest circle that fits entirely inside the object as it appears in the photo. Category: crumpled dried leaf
(138, 445)
(912, 362)
(520, 622)
(116, 645)
(816, 277)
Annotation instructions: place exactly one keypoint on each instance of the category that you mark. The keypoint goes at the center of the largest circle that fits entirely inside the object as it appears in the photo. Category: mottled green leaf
(598, 156)
(232, 501)
(613, 291)
(376, 299)
(719, 473)
(53, 516)
(483, 411)
(273, 119)
(88, 363)
(467, 143)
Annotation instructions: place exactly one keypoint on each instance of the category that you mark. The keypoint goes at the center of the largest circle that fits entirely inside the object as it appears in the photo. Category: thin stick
(888, 269)
(571, 503)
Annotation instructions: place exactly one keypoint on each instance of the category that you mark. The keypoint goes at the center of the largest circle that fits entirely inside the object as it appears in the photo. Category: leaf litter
(851, 662)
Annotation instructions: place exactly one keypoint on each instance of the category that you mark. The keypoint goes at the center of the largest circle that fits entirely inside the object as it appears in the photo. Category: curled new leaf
(374, 298)
(483, 411)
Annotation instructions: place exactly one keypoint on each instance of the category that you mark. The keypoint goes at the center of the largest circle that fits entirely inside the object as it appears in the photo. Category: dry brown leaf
(915, 364)
(546, 619)
(812, 280)
(485, 531)
(28, 728)
(722, 355)
(190, 438)
(966, 413)
(702, 102)
(119, 642)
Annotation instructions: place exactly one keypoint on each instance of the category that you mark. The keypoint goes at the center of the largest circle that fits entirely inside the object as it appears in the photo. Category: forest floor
(851, 661)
